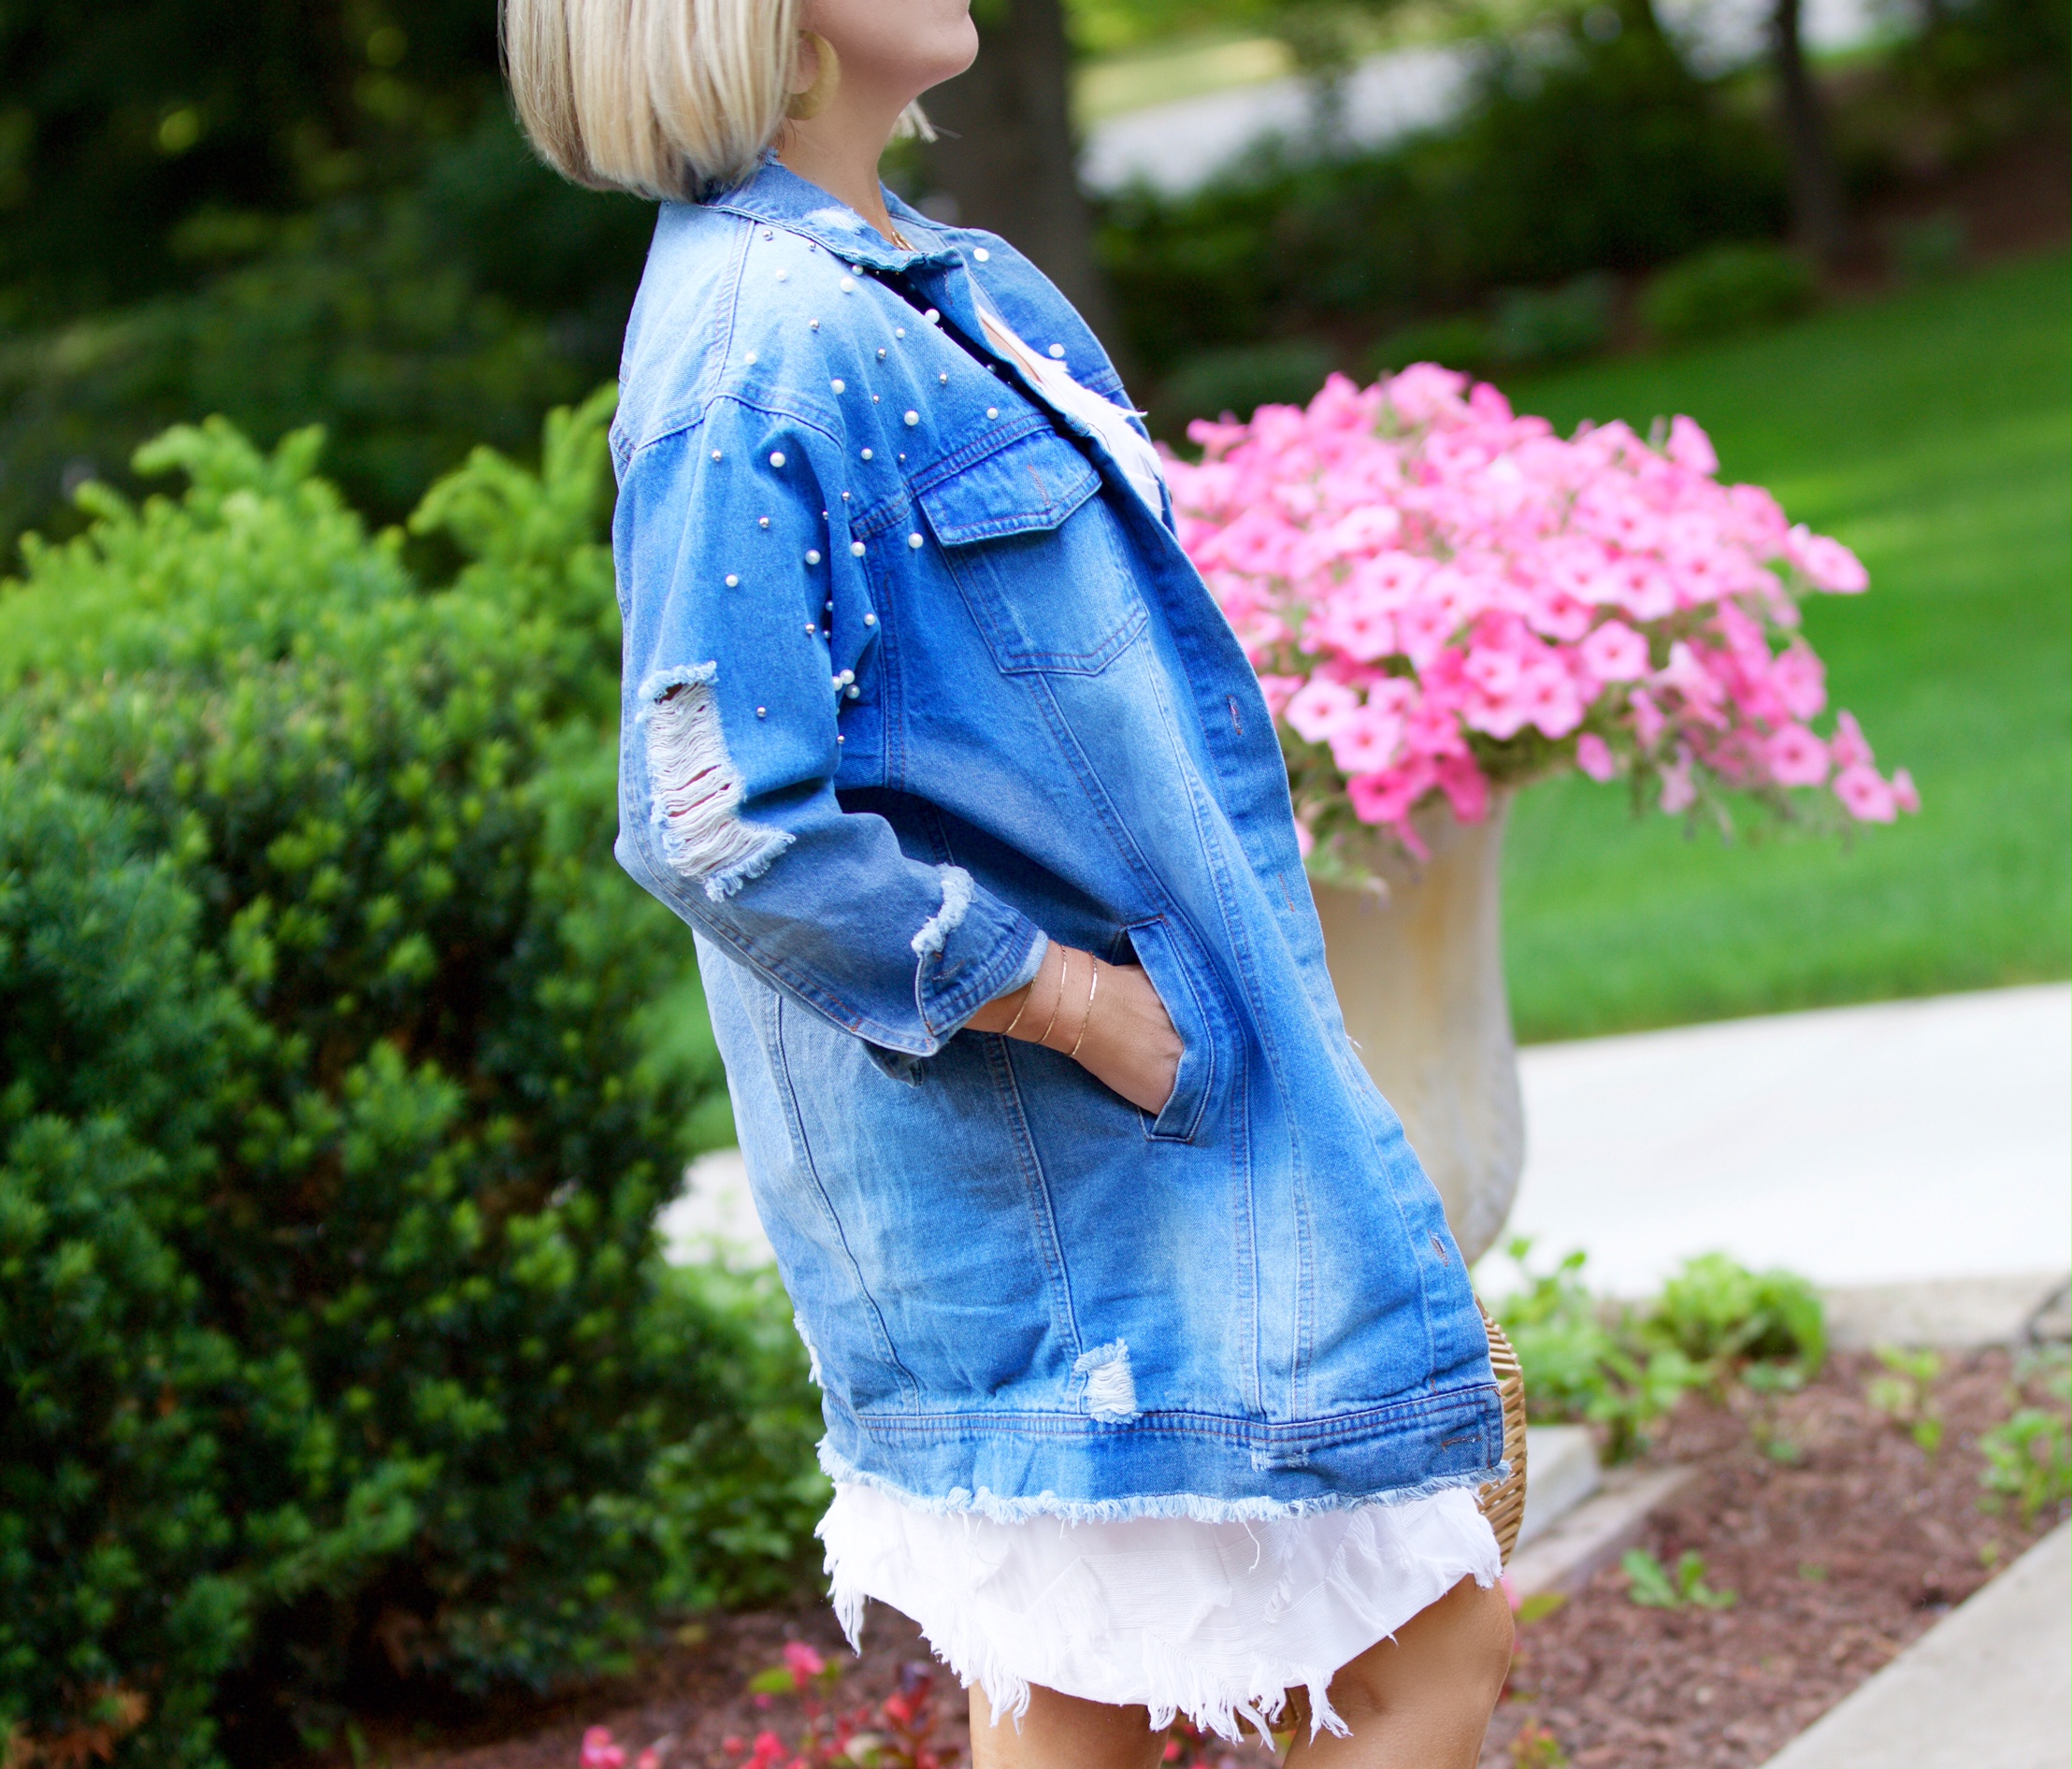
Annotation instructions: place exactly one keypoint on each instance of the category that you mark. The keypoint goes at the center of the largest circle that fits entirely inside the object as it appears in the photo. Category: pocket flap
(1032, 484)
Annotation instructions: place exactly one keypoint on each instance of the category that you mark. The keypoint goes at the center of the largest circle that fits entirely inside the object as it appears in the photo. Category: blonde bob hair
(666, 98)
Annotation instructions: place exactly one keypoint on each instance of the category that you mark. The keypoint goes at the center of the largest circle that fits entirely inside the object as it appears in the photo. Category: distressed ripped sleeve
(747, 618)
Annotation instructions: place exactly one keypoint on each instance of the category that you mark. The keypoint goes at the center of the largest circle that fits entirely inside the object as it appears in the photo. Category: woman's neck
(838, 150)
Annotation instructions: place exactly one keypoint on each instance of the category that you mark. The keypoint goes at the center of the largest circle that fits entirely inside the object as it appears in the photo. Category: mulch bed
(1842, 1540)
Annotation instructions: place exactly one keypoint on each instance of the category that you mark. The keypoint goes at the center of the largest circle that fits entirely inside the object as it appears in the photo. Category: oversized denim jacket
(914, 681)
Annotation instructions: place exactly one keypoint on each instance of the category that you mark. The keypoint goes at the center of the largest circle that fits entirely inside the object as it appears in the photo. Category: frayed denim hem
(1201, 1508)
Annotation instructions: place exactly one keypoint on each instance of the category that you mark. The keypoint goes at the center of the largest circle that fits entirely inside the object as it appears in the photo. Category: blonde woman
(1153, 1382)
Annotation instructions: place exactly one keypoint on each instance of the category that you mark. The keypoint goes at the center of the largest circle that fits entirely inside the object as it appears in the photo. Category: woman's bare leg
(1063, 1731)
(1422, 1700)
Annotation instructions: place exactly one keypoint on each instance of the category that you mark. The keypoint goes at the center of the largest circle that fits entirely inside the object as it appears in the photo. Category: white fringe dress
(1215, 1621)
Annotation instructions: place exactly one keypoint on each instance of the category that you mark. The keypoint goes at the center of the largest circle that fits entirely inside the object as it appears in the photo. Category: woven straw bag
(1503, 1502)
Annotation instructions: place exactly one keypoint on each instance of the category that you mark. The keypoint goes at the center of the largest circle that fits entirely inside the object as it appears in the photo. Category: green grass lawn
(1930, 431)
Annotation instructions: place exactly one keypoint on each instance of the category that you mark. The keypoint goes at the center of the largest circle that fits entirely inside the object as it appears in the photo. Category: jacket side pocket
(1165, 968)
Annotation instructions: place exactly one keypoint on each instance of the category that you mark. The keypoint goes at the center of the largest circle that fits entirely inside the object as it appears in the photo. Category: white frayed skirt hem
(1215, 1621)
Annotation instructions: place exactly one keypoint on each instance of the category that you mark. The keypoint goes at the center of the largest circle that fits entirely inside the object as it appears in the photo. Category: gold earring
(813, 100)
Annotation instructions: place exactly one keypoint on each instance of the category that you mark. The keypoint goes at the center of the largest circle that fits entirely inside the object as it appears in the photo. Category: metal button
(762, 521)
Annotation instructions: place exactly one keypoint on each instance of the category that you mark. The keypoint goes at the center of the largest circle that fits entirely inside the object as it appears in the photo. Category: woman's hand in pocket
(1129, 1043)
(1121, 1036)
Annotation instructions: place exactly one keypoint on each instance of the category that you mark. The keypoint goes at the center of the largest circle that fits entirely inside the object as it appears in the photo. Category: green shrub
(2029, 1458)
(415, 324)
(115, 1539)
(1726, 289)
(1584, 1361)
(1622, 1366)
(1460, 341)
(1241, 380)
(1553, 325)
(1932, 248)
(345, 1075)
(1716, 1312)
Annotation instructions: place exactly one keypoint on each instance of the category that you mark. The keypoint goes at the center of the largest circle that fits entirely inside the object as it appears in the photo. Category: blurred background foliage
(319, 210)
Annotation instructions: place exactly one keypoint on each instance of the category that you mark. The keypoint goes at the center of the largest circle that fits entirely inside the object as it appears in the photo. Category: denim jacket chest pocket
(1034, 552)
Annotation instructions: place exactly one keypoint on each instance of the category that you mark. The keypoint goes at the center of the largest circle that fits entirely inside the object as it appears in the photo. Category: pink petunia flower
(1613, 651)
(1829, 563)
(1796, 758)
(1800, 680)
(1905, 793)
(1849, 748)
(1323, 706)
(1865, 793)
(1679, 792)
(1368, 741)
(1593, 756)
(1690, 447)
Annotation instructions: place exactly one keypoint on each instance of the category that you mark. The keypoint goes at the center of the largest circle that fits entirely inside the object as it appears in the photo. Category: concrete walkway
(1986, 1687)
(1860, 1145)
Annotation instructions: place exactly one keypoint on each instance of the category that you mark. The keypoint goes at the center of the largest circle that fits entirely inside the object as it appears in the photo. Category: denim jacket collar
(778, 197)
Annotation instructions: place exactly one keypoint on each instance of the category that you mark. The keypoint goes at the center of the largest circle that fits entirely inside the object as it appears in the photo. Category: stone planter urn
(1419, 967)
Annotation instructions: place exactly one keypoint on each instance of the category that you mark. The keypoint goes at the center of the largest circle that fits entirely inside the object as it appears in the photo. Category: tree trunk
(1815, 189)
(1006, 155)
